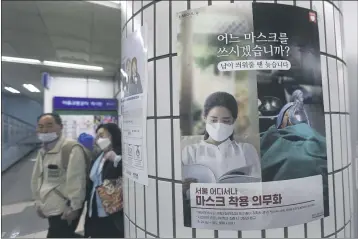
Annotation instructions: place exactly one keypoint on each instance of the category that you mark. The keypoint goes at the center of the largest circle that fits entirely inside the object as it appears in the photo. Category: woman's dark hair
(116, 134)
(221, 99)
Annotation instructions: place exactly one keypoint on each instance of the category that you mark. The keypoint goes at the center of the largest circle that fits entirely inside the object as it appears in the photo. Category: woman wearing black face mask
(104, 218)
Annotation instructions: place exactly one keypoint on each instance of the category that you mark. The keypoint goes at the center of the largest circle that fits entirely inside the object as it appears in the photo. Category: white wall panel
(77, 87)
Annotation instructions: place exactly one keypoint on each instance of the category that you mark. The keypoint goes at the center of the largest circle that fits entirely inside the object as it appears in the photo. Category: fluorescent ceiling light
(51, 63)
(12, 90)
(72, 66)
(31, 88)
(20, 60)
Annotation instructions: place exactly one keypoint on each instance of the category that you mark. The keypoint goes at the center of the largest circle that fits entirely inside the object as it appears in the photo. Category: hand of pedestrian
(70, 215)
(111, 155)
(39, 212)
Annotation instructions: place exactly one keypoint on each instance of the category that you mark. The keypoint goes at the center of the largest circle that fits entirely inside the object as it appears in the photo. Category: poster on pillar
(253, 141)
(133, 94)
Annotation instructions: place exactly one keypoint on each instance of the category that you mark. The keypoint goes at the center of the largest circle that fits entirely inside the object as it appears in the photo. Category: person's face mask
(47, 137)
(103, 143)
(219, 131)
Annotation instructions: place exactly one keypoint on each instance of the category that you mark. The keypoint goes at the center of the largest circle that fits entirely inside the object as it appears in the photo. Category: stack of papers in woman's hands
(201, 173)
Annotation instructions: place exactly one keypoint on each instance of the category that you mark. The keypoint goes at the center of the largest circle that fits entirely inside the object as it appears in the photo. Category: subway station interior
(69, 57)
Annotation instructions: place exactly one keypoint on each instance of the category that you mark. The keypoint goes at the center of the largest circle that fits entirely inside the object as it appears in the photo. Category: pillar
(156, 210)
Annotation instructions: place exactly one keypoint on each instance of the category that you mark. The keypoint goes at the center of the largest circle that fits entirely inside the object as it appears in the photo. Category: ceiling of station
(77, 32)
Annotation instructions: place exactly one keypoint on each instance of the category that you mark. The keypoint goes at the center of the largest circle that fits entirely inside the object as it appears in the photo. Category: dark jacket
(108, 172)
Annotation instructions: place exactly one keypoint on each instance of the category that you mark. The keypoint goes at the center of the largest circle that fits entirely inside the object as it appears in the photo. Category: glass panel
(15, 130)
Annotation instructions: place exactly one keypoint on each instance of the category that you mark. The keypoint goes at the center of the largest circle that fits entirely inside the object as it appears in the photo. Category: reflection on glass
(270, 106)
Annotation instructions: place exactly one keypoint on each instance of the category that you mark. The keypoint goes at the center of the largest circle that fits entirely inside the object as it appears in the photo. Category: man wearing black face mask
(59, 178)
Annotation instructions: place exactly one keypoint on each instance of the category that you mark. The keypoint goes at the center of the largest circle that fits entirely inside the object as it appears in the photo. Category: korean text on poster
(251, 111)
(134, 106)
(256, 206)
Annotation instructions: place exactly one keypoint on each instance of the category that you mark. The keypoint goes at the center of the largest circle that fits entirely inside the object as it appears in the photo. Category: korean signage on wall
(84, 115)
(252, 121)
(74, 103)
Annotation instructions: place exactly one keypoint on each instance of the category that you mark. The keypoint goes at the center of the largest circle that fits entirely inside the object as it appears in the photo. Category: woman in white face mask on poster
(218, 151)
(104, 218)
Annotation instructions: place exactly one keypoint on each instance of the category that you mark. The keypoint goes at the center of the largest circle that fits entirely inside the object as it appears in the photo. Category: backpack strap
(66, 152)
(65, 158)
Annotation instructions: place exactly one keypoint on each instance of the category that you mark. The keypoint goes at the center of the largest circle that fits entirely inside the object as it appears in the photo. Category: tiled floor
(19, 219)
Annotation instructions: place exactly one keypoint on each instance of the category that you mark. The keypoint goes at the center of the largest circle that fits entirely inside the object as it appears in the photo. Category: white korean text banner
(256, 206)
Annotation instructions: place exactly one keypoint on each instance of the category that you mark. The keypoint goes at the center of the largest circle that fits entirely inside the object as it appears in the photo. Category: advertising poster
(253, 141)
(104, 119)
(134, 84)
(74, 125)
(84, 115)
